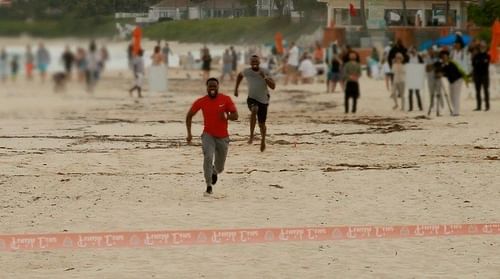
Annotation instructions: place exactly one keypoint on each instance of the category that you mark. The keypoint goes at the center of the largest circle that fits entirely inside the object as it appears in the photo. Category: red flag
(495, 42)
(352, 10)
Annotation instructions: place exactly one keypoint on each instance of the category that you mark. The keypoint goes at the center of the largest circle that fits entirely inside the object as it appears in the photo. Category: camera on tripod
(438, 92)
(437, 67)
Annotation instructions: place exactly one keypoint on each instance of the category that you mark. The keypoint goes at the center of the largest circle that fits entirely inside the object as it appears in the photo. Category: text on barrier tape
(19, 242)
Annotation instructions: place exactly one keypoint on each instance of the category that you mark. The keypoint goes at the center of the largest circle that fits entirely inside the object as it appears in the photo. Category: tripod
(437, 93)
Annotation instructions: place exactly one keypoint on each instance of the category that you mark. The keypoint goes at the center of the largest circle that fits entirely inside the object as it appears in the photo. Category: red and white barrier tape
(21, 242)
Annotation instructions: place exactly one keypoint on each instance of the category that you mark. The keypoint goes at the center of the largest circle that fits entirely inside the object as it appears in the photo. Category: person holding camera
(430, 60)
(455, 75)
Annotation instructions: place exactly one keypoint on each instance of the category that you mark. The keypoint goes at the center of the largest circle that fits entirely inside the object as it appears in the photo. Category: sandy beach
(75, 162)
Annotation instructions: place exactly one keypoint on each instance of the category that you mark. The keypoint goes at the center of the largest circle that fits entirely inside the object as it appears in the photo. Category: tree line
(53, 9)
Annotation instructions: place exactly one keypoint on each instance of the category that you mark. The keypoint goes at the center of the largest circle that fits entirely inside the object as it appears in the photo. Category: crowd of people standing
(88, 63)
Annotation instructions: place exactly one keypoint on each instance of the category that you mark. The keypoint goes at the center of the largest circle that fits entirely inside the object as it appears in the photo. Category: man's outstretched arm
(189, 119)
(238, 81)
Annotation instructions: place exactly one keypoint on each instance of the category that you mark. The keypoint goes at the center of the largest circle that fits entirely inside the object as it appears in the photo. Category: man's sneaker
(208, 192)
(214, 177)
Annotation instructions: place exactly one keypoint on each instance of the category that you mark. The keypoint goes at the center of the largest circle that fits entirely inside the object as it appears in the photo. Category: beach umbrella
(451, 39)
(426, 45)
(445, 41)
(495, 42)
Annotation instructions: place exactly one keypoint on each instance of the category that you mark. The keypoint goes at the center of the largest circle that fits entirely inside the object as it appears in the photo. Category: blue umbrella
(444, 41)
(426, 45)
(451, 39)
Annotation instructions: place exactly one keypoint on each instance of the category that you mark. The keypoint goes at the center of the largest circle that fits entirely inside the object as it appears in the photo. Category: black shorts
(352, 89)
(261, 109)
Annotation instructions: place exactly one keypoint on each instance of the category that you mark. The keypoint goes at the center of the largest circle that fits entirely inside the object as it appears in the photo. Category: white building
(269, 8)
(386, 13)
(5, 3)
(189, 9)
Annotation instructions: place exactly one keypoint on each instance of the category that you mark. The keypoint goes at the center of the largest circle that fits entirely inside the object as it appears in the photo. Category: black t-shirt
(68, 58)
(451, 72)
(481, 64)
(335, 66)
(395, 50)
(206, 60)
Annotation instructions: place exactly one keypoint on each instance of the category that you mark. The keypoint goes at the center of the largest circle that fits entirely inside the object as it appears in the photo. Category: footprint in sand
(213, 197)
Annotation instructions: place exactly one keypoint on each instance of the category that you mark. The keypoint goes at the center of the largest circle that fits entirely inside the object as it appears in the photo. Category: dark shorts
(262, 109)
(335, 77)
(352, 89)
(205, 66)
(390, 75)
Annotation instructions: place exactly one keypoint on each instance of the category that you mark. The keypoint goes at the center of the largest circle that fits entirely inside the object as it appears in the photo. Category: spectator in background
(346, 55)
(415, 58)
(42, 61)
(130, 55)
(30, 62)
(318, 54)
(206, 62)
(352, 73)
(430, 61)
(138, 70)
(14, 67)
(481, 75)
(386, 68)
(68, 59)
(234, 62)
(398, 48)
(292, 64)
(92, 70)
(158, 76)
(460, 54)
(398, 87)
(190, 61)
(307, 69)
(334, 73)
(81, 63)
(166, 52)
(373, 64)
(103, 58)
(3, 65)
(227, 65)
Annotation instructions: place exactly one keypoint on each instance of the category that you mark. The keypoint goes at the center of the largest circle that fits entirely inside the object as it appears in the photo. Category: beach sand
(74, 162)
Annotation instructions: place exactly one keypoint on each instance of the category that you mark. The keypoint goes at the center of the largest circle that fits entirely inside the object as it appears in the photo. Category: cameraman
(455, 76)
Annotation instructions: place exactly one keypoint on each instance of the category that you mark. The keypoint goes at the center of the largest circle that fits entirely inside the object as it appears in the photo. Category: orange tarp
(278, 40)
(136, 40)
(495, 42)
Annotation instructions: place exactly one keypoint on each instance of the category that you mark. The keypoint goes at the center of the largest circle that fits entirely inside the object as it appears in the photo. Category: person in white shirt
(460, 54)
(92, 71)
(415, 58)
(307, 70)
(292, 64)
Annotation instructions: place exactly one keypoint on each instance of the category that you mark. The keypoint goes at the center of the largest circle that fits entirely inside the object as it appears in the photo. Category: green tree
(485, 15)
(280, 5)
(405, 13)
(307, 6)
(250, 6)
(363, 15)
